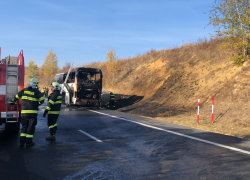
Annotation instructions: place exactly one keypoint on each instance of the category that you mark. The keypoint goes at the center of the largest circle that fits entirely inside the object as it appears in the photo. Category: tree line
(46, 73)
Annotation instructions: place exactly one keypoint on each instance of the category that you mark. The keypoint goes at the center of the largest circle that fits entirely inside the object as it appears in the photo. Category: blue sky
(83, 31)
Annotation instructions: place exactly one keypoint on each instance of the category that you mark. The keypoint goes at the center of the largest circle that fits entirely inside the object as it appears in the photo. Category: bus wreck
(83, 86)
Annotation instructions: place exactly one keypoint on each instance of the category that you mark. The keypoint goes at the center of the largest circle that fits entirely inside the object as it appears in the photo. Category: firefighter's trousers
(52, 124)
(28, 130)
(111, 104)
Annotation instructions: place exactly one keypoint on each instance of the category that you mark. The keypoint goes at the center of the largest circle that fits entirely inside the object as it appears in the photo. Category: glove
(45, 112)
(13, 102)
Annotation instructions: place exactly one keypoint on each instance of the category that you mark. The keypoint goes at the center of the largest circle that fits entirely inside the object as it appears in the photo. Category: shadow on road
(121, 100)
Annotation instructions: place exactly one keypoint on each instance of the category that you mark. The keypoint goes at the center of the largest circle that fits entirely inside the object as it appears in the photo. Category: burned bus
(83, 86)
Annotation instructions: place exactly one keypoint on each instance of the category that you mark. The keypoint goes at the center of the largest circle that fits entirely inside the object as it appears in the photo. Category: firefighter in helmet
(112, 101)
(53, 109)
(31, 99)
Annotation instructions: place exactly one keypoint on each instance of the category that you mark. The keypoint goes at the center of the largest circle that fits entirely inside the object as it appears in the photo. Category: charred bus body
(83, 86)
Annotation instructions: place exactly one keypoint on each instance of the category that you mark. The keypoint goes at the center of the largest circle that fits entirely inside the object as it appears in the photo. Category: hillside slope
(170, 82)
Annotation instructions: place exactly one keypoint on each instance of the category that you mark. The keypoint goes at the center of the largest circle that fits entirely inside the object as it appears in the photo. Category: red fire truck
(11, 82)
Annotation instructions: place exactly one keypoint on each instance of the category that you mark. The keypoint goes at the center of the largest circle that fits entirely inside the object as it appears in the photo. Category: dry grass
(228, 119)
(172, 80)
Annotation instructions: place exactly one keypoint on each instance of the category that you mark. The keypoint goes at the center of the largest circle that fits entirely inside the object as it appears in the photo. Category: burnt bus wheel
(96, 104)
(12, 127)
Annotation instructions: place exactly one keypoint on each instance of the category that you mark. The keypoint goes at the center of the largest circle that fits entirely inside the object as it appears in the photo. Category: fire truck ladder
(11, 85)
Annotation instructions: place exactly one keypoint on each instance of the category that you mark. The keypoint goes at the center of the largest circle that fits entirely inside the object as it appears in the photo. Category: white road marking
(179, 134)
(90, 136)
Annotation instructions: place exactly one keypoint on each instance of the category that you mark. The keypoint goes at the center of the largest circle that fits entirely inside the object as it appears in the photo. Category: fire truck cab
(11, 82)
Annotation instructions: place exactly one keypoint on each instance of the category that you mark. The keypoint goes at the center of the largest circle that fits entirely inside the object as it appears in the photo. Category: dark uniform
(53, 110)
(43, 91)
(43, 96)
(31, 99)
(112, 101)
(46, 92)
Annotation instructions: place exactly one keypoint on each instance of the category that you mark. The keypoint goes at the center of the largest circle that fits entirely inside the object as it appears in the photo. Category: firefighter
(46, 92)
(43, 90)
(112, 101)
(31, 99)
(53, 109)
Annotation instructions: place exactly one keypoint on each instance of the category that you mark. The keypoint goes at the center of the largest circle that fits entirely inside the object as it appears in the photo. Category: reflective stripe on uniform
(17, 96)
(29, 98)
(54, 112)
(59, 97)
(52, 102)
(28, 92)
(41, 98)
(51, 126)
(23, 134)
(112, 97)
(48, 108)
(29, 111)
(58, 102)
(29, 136)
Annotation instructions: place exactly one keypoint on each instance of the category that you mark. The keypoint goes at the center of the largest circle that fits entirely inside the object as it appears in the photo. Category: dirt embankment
(170, 82)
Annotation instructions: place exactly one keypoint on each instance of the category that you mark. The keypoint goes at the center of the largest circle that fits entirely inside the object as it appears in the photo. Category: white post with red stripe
(198, 110)
(212, 109)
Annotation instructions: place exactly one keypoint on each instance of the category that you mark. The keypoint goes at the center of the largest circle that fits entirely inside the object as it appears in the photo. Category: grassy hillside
(171, 81)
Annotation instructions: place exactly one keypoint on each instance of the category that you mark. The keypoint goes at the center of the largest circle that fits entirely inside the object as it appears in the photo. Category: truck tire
(12, 127)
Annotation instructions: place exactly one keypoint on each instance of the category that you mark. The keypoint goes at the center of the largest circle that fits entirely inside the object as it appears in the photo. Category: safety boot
(29, 142)
(51, 138)
(22, 140)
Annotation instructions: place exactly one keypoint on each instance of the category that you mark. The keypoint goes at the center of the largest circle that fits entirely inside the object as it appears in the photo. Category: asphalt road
(90, 145)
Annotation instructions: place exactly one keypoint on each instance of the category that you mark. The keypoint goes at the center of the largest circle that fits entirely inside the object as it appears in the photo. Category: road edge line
(179, 134)
(90, 136)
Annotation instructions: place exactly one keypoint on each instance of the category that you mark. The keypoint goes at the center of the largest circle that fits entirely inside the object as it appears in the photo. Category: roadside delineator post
(198, 110)
(212, 109)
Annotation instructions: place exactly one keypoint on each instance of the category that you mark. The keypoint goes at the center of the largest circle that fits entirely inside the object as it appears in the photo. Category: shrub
(238, 60)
